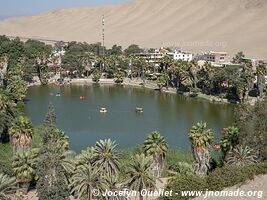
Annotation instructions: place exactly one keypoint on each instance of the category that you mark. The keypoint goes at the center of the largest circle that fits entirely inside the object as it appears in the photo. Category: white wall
(181, 56)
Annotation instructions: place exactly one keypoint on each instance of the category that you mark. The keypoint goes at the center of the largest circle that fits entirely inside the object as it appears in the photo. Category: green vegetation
(30, 59)
(217, 180)
(21, 133)
(41, 156)
(252, 124)
(24, 167)
(156, 146)
(241, 156)
(7, 187)
(201, 138)
(140, 173)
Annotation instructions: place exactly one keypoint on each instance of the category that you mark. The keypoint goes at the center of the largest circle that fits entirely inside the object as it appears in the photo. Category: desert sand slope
(194, 25)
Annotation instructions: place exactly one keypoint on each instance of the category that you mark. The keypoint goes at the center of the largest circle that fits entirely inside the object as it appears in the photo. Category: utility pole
(103, 39)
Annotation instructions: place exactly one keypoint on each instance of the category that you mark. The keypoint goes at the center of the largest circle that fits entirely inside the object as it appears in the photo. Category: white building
(179, 55)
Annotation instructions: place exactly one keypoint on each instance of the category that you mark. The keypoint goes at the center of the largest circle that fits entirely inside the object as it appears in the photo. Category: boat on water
(103, 110)
(139, 110)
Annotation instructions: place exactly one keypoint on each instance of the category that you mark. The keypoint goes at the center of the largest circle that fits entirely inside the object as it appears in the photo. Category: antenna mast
(103, 33)
(103, 39)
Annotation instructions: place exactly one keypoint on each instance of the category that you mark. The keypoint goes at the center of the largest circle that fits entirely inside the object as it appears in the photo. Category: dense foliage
(42, 156)
(217, 180)
(252, 123)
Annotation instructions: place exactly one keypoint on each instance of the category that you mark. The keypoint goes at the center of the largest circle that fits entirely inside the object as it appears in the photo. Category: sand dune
(193, 25)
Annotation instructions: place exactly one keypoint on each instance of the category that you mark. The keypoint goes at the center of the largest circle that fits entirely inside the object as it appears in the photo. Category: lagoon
(170, 114)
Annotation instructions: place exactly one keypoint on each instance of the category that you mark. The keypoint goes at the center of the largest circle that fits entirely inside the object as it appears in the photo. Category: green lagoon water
(172, 115)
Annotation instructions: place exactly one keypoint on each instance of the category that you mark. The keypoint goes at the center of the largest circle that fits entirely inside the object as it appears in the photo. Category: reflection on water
(172, 115)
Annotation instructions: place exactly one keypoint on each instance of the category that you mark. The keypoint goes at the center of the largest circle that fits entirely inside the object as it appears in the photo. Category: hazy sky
(9, 8)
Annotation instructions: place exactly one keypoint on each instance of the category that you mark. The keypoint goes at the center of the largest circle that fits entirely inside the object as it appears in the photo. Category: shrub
(183, 182)
(220, 178)
(195, 90)
(6, 159)
(230, 175)
(174, 158)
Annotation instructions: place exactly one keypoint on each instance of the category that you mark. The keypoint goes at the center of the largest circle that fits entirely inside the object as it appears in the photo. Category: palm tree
(156, 146)
(161, 82)
(24, 165)
(113, 184)
(166, 63)
(7, 187)
(178, 71)
(21, 133)
(239, 58)
(119, 77)
(106, 156)
(66, 161)
(7, 115)
(244, 84)
(206, 75)
(261, 73)
(85, 158)
(85, 179)
(201, 138)
(229, 140)
(190, 74)
(141, 174)
(241, 156)
(96, 75)
(41, 62)
(14, 83)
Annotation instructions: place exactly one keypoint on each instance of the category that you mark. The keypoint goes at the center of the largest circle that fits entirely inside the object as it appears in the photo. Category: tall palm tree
(85, 179)
(241, 156)
(166, 62)
(141, 174)
(96, 75)
(201, 138)
(193, 69)
(156, 146)
(244, 84)
(161, 82)
(7, 114)
(261, 73)
(41, 62)
(206, 75)
(7, 187)
(178, 71)
(24, 166)
(15, 84)
(106, 156)
(229, 140)
(21, 133)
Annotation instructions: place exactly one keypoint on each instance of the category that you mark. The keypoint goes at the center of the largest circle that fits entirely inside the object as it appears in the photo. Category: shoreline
(150, 85)
(139, 84)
